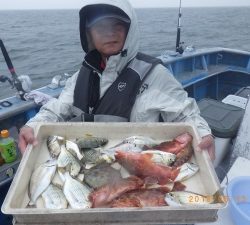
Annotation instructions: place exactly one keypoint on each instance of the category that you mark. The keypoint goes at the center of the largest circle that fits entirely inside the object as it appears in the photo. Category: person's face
(108, 36)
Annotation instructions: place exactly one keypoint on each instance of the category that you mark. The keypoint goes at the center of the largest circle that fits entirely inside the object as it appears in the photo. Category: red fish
(142, 166)
(126, 202)
(140, 198)
(105, 194)
(176, 145)
(178, 186)
(184, 155)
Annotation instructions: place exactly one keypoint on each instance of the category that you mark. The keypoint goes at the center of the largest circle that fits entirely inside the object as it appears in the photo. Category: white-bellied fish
(73, 149)
(54, 145)
(54, 198)
(57, 180)
(40, 179)
(140, 141)
(187, 170)
(76, 193)
(160, 157)
(179, 198)
(68, 161)
(109, 154)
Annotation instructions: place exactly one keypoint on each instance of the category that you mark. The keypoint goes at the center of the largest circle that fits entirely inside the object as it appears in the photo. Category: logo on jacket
(121, 86)
(143, 88)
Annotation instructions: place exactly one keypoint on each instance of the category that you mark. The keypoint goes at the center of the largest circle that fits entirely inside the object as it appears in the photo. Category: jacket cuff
(32, 125)
(203, 132)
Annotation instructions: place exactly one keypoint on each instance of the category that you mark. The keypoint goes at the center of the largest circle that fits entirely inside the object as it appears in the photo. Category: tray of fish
(114, 173)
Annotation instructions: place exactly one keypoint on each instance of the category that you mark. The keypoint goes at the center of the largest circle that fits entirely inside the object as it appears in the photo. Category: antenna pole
(179, 47)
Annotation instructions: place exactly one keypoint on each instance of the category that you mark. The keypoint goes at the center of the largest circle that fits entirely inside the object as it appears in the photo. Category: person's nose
(110, 31)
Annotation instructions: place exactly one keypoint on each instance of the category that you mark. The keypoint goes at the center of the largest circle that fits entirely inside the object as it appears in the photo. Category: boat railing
(194, 66)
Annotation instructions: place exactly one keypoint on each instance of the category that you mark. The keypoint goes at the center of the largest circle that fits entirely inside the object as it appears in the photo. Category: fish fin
(178, 186)
(31, 203)
(62, 173)
(175, 173)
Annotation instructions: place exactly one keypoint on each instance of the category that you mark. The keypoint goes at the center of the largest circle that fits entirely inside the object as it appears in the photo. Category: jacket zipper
(93, 68)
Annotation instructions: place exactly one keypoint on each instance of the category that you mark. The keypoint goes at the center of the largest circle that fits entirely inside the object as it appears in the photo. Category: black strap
(120, 97)
(81, 92)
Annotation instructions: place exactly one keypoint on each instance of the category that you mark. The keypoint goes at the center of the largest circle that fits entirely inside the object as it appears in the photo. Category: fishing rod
(15, 80)
(179, 47)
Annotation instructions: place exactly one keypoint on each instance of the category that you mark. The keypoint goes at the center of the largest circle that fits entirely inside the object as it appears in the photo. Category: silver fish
(54, 145)
(187, 170)
(80, 177)
(160, 157)
(140, 141)
(57, 181)
(68, 161)
(40, 204)
(91, 142)
(76, 193)
(109, 154)
(54, 198)
(73, 149)
(179, 198)
(40, 179)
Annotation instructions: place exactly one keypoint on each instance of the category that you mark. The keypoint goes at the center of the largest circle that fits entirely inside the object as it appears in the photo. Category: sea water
(45, 43)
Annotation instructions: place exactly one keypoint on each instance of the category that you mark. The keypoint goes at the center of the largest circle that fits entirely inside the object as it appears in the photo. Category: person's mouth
(111, 43)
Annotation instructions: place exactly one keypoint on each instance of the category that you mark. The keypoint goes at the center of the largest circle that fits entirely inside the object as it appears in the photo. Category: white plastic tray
(205, 182)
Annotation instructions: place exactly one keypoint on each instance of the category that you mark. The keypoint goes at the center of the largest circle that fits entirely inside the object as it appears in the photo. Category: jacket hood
(131, 44)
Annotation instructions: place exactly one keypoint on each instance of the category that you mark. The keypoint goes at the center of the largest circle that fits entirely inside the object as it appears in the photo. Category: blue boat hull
(218, 86)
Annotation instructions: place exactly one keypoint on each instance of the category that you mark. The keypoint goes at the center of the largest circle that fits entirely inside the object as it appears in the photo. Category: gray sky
(76, 4)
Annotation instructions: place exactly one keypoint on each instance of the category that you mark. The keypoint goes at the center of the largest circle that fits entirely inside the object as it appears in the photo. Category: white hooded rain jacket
(163, 94)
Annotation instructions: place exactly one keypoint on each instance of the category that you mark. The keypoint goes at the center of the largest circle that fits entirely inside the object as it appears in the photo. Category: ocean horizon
(44, 43)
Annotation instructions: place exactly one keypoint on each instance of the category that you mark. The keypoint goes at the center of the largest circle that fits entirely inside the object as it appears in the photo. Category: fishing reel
(58, 81)
(23, 80)
(26, 82)
(180, 48)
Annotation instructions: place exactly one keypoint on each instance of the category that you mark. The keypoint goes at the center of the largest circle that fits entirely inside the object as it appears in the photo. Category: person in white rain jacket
(116, 82)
